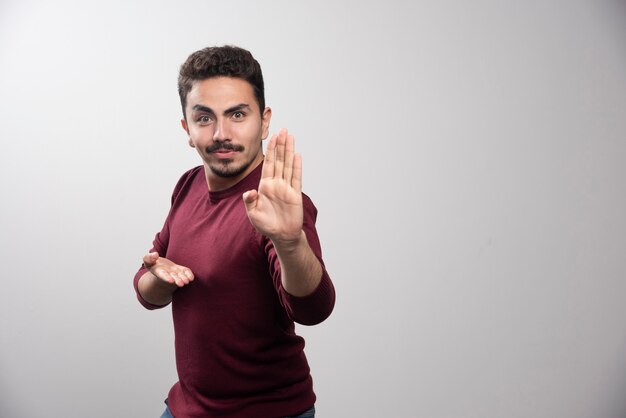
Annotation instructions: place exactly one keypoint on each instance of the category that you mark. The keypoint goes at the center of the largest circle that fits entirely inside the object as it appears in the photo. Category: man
(238, 257)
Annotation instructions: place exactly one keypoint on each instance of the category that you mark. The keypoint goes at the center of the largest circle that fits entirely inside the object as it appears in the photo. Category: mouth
(224, 150)
(224, 153)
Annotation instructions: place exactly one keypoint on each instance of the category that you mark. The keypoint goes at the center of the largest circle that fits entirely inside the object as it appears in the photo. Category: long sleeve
(316, 307)
(161, 240)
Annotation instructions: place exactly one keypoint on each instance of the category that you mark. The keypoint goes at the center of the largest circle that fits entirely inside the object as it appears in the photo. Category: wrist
(290, 244)
(154, 290)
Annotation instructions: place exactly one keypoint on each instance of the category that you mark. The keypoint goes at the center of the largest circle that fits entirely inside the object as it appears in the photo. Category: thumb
(149, 259)
(250, 199)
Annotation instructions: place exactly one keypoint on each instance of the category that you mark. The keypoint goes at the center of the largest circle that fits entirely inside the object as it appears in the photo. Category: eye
(238, 115)
(204, 119)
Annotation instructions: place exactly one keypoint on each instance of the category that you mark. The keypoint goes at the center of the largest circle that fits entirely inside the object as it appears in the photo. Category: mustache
(220, 145)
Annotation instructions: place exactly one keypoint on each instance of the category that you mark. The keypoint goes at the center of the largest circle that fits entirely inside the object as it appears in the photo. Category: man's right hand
(165, 270)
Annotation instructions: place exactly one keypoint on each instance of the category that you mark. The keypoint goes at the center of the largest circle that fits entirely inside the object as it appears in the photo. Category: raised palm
(275, 210)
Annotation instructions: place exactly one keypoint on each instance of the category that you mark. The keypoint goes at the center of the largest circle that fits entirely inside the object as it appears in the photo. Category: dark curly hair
(227, 61)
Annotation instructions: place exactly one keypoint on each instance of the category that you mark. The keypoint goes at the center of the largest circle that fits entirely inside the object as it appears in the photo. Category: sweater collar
(251, 181)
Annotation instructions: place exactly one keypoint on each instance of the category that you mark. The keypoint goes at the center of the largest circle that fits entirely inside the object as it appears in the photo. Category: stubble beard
(230, 167)
(227, 169)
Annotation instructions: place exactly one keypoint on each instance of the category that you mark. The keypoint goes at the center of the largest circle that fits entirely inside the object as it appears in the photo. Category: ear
(183, 123)
(265, 122)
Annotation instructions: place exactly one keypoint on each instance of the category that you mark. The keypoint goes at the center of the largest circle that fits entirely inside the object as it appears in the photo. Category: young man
(238, 257)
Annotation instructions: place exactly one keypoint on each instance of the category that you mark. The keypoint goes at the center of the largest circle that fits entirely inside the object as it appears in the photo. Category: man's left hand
(275, 210)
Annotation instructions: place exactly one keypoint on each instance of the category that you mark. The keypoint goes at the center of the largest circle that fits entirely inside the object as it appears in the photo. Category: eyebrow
(235, 108)
(202, 108)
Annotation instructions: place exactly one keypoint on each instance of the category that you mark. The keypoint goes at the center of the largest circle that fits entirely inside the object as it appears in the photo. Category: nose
(221, 131)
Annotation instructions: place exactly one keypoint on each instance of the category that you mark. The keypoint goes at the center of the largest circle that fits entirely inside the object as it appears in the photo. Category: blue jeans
(167, 413)
(310, 413)
(307, 414)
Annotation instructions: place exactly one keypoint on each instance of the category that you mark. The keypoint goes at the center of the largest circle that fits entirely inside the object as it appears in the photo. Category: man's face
(226, 126)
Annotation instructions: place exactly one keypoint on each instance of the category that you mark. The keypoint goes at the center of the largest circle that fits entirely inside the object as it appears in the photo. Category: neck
(217, 183)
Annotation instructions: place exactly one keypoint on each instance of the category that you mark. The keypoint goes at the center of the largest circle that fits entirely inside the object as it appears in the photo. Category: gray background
(467, 159)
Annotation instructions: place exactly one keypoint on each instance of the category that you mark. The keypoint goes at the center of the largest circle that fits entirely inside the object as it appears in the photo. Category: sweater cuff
(141, 300)
(314, 308)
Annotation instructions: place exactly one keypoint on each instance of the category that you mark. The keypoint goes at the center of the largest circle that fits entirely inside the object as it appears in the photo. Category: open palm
(275, 210)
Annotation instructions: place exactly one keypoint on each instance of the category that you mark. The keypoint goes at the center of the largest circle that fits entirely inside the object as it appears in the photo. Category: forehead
(221, 93)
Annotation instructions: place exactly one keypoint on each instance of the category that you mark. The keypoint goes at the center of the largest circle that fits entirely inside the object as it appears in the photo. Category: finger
(179, 279)
(189, 274)
(279, 163)
(149, 259)
(182, 279)
(185, 276)
(179, 276)
(268, 163)
(289, 153)
(250, 199)
(296, 179)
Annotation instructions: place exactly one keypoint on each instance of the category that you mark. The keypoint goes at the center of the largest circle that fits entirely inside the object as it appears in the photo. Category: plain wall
(468, 160)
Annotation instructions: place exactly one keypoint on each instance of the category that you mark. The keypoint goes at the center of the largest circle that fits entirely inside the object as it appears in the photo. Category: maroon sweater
(237, 353)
